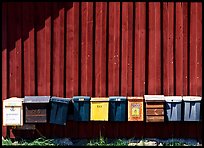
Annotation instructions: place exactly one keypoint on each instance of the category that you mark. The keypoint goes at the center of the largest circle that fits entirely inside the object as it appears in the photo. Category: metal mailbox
(36, 109)
(135, 108)
(173, 108)
(192, 106)
(99, 109)
(59, 111)
(154, 108)
(81, 108)
(117, 108)
(13, 112)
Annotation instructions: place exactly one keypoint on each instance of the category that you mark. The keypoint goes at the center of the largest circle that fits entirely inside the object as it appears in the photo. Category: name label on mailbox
(99, 106)
(81, 99)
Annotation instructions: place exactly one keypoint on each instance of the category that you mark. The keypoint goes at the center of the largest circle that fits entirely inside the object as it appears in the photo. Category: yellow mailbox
(13, 112)
(99, 109)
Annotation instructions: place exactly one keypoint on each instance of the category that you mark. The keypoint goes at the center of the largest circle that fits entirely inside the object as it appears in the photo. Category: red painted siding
(103, 49)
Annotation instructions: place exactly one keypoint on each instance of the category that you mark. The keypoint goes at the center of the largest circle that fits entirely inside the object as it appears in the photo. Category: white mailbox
(13, 112)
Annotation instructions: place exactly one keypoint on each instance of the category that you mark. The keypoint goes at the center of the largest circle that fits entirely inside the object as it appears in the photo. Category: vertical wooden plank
(195, 49)
(199, 49)
(127, 48)
(153, 129)
(169, 130)
(168, 56)
(12, 43)
(29, 53)
(4, 54)
(100, 58)
(186, 35)
(58, 57)
(86, 58)
(11, 47)
(179, 49)
(72, 58)
(126, 57)
(114, 53)
(43, 36)
(168, 48)
(114, 48)
(86, 48)
(18, 55)
(100, 49)
(47, 48)
(72, 49)
(15, 54)
(140, 49)
(154, 61)
(58, 51)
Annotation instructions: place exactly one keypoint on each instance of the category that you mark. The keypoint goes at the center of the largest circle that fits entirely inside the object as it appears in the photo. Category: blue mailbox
(173, 108)
(59, 110)
(192, 106)
(117, 108)
(81, 108)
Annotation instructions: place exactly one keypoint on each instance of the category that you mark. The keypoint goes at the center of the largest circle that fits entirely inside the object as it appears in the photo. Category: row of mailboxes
(107, 109)
(56, 110)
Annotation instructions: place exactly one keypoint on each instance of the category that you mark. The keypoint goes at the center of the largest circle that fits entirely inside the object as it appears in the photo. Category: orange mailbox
(135, 108)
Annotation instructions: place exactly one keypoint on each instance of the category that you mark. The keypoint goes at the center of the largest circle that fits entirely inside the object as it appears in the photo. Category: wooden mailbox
(36, 109)
(154, 108)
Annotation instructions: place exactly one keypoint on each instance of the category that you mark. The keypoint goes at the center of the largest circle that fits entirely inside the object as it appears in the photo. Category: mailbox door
(59, 113)
(135, 110)
(117, 111)
(173, 111)
(191, 111)
(36, 113)
(81, 110)
(99, 111)
(12, 116)
(154, 111)
(85, 111)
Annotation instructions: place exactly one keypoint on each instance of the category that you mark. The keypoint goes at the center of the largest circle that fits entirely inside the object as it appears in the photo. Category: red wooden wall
(103, 49)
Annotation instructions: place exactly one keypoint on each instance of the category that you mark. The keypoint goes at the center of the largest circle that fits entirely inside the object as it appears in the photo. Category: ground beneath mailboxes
(105, 142)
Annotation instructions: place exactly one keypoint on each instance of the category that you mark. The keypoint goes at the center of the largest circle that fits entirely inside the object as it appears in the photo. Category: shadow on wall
(19, 18)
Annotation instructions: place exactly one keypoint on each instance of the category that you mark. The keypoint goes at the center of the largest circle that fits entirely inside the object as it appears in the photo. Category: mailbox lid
(13, 101)
(37, 99)
(103, 99)
(140, 98)
(81, 98)
(192, 98)
(154, 98)
(60, 100)
(117, 98)
(173, 98)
